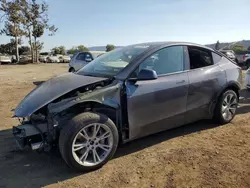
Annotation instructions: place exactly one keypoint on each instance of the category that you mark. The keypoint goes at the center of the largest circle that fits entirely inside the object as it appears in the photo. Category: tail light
(244, 57)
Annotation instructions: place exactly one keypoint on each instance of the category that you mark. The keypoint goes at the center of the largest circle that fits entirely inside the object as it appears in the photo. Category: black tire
(237, 61)
(71, 69)
(71, 129)
(218, 115)
(248, 64)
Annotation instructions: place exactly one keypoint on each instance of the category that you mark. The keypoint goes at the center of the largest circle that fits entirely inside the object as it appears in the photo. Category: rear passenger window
(216, 57)
(199, 57)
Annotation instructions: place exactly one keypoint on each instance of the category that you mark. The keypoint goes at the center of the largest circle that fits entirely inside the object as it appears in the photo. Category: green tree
(62, 50)
(110, 47)
(12, 16)
(24, 50)
(55, 50)
(38, 31)
(217, 45)
(72, 50)
(80, 48)
(36, 22)
(10, 48)
(59, 50)
(27, 24)
(238, 49)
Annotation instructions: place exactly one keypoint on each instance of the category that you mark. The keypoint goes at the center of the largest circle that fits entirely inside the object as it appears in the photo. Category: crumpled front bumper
(28, 135)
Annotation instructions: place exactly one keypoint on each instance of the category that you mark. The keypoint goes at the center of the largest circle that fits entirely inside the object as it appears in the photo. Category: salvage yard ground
(197, 155)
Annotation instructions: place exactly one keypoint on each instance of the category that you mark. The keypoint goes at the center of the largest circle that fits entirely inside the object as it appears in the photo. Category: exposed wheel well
(71, 69)
(112, 113)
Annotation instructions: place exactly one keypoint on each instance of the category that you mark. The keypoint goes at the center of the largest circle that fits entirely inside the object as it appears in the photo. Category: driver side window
(165, 61)
(81, 57)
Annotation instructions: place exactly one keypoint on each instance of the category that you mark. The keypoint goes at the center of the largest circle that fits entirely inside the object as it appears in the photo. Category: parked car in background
(53, 59)
(25, 59)
(5, 59)
(246, 60)
(43, 59)
(64, 59)
(230, 54)
(79, 60)
(126, 94)
(247, 78)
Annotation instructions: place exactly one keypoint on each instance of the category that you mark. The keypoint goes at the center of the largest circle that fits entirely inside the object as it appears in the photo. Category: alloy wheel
(92, 144)
(229, 106)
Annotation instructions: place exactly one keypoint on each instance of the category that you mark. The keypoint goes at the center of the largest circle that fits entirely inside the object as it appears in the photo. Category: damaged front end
(31, 133)
(40, 128)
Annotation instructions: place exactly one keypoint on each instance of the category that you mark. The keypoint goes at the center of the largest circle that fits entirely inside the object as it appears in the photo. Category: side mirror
(88, 59)
(147, 74)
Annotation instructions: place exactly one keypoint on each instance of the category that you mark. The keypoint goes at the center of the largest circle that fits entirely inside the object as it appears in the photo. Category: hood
(51, 90)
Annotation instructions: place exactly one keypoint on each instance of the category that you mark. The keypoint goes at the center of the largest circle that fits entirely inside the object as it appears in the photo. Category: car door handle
(180, 82)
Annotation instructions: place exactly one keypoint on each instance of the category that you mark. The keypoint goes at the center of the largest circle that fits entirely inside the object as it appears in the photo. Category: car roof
(171, 43)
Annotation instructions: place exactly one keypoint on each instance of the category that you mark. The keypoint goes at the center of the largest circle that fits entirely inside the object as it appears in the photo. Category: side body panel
(233, 72)
(156, 105)
(204, 84)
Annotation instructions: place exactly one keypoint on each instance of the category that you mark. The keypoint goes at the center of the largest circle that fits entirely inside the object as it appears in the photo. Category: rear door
(157, 105)
(206, 79)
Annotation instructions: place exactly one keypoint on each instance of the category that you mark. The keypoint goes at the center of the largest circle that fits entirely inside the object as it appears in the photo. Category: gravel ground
(197, 155)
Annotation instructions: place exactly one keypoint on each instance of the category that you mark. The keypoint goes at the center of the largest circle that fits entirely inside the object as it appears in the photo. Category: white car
(43, 59)
(53, 59)
(4, 59)
(64, 59)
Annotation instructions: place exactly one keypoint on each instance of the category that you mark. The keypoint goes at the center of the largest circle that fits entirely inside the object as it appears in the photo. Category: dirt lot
(197, 155)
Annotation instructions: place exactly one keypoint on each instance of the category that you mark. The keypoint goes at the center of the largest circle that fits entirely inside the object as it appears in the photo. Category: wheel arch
(230, 85)
(112, 112)
(71, 68)
(233, 86)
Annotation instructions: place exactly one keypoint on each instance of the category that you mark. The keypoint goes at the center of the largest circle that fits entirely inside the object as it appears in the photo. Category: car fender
(109, 96)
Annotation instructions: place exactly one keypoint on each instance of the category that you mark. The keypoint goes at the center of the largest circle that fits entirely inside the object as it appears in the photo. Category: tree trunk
(17, 50)
(36, 50)
(31, 47)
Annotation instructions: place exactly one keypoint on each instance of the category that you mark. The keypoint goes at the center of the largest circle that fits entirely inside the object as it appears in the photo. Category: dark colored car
(126, 94)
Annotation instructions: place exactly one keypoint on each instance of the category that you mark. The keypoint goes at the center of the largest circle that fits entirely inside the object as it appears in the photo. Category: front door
(157, 105)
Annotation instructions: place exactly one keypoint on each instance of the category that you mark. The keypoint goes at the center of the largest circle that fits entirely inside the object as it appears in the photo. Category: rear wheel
(71, 69)
(226, 107)
(88, 141)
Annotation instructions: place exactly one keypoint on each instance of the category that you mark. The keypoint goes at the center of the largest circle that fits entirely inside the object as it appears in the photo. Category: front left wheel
(88, 141)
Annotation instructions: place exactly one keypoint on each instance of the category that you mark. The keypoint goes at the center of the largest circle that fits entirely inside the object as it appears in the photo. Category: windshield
(110, 64)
